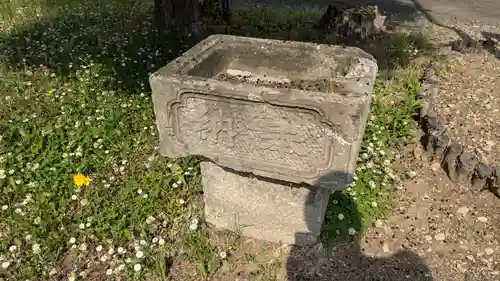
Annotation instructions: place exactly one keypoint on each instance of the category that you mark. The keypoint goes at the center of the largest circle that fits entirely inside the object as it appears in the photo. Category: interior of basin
(272, 63)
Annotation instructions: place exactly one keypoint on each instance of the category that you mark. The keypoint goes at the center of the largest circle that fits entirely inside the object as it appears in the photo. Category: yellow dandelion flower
(81, 180)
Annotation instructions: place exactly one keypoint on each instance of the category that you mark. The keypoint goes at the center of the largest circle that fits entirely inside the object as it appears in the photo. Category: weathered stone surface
(451, 160)
(495, 182)
(351, 20)
(286, 134)
(271, 211)
(481, 176)
(440, 147)
(466, 165)
(424, 107)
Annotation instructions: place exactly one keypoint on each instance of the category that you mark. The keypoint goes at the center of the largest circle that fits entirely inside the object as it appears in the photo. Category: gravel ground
(438, 231)
(452, 228)
(446, 232)
(469, 100)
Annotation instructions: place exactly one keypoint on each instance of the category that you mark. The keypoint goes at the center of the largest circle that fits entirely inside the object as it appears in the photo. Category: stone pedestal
(280, 123)
(271, 211)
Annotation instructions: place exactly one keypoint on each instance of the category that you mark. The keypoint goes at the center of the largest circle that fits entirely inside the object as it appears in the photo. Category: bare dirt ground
(469, 101)
(451, 227)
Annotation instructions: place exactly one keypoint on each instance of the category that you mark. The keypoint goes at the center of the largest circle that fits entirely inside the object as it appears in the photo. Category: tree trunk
(177, 15)
(185, 15)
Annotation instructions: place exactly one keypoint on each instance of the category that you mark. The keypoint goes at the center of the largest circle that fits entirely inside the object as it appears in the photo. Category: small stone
(462, 267)
(489, 251)
(412, 174)
(482, 219)
(385, 248)
(378, 223)
(463, 211)
(440, 237)
(428, 238)
(417, 152)
(488, 237)
(470, 257)
(435, 166)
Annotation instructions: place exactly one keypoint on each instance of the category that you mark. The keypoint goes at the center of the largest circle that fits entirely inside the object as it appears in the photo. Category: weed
(403, 47)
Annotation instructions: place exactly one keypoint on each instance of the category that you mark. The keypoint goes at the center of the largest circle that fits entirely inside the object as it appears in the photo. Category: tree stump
(352, 21)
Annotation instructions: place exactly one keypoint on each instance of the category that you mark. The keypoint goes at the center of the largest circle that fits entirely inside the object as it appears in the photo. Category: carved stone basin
(297, 115)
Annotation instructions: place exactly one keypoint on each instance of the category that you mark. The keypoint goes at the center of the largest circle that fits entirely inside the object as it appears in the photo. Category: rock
(428, 238)
(412, 174)
(378, 223)
(466, 164)
(489, 251)
(481, 176)
(482, 219)
(462, 267)
(440, 237)
(463, 211)
(385, 248)
(417, 152)
(488, 237)
(436, 166)
(451, 160)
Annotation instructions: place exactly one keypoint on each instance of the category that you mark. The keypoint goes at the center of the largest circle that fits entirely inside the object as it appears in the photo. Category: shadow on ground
(341, 256)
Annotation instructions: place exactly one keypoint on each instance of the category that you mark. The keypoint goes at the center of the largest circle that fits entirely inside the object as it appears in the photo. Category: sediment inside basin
(241, 76)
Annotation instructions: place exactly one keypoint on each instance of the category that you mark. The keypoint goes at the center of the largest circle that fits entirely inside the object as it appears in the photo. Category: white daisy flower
(223, 255)
(36, 248)
(121, 250)
(137, 267)
(139, 254)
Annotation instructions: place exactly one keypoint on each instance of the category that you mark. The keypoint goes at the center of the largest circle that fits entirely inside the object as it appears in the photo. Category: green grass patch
(75, 99)
(391, 125)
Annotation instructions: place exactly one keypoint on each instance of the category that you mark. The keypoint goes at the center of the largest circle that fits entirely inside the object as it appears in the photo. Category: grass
(75, 99)
(391, 125)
